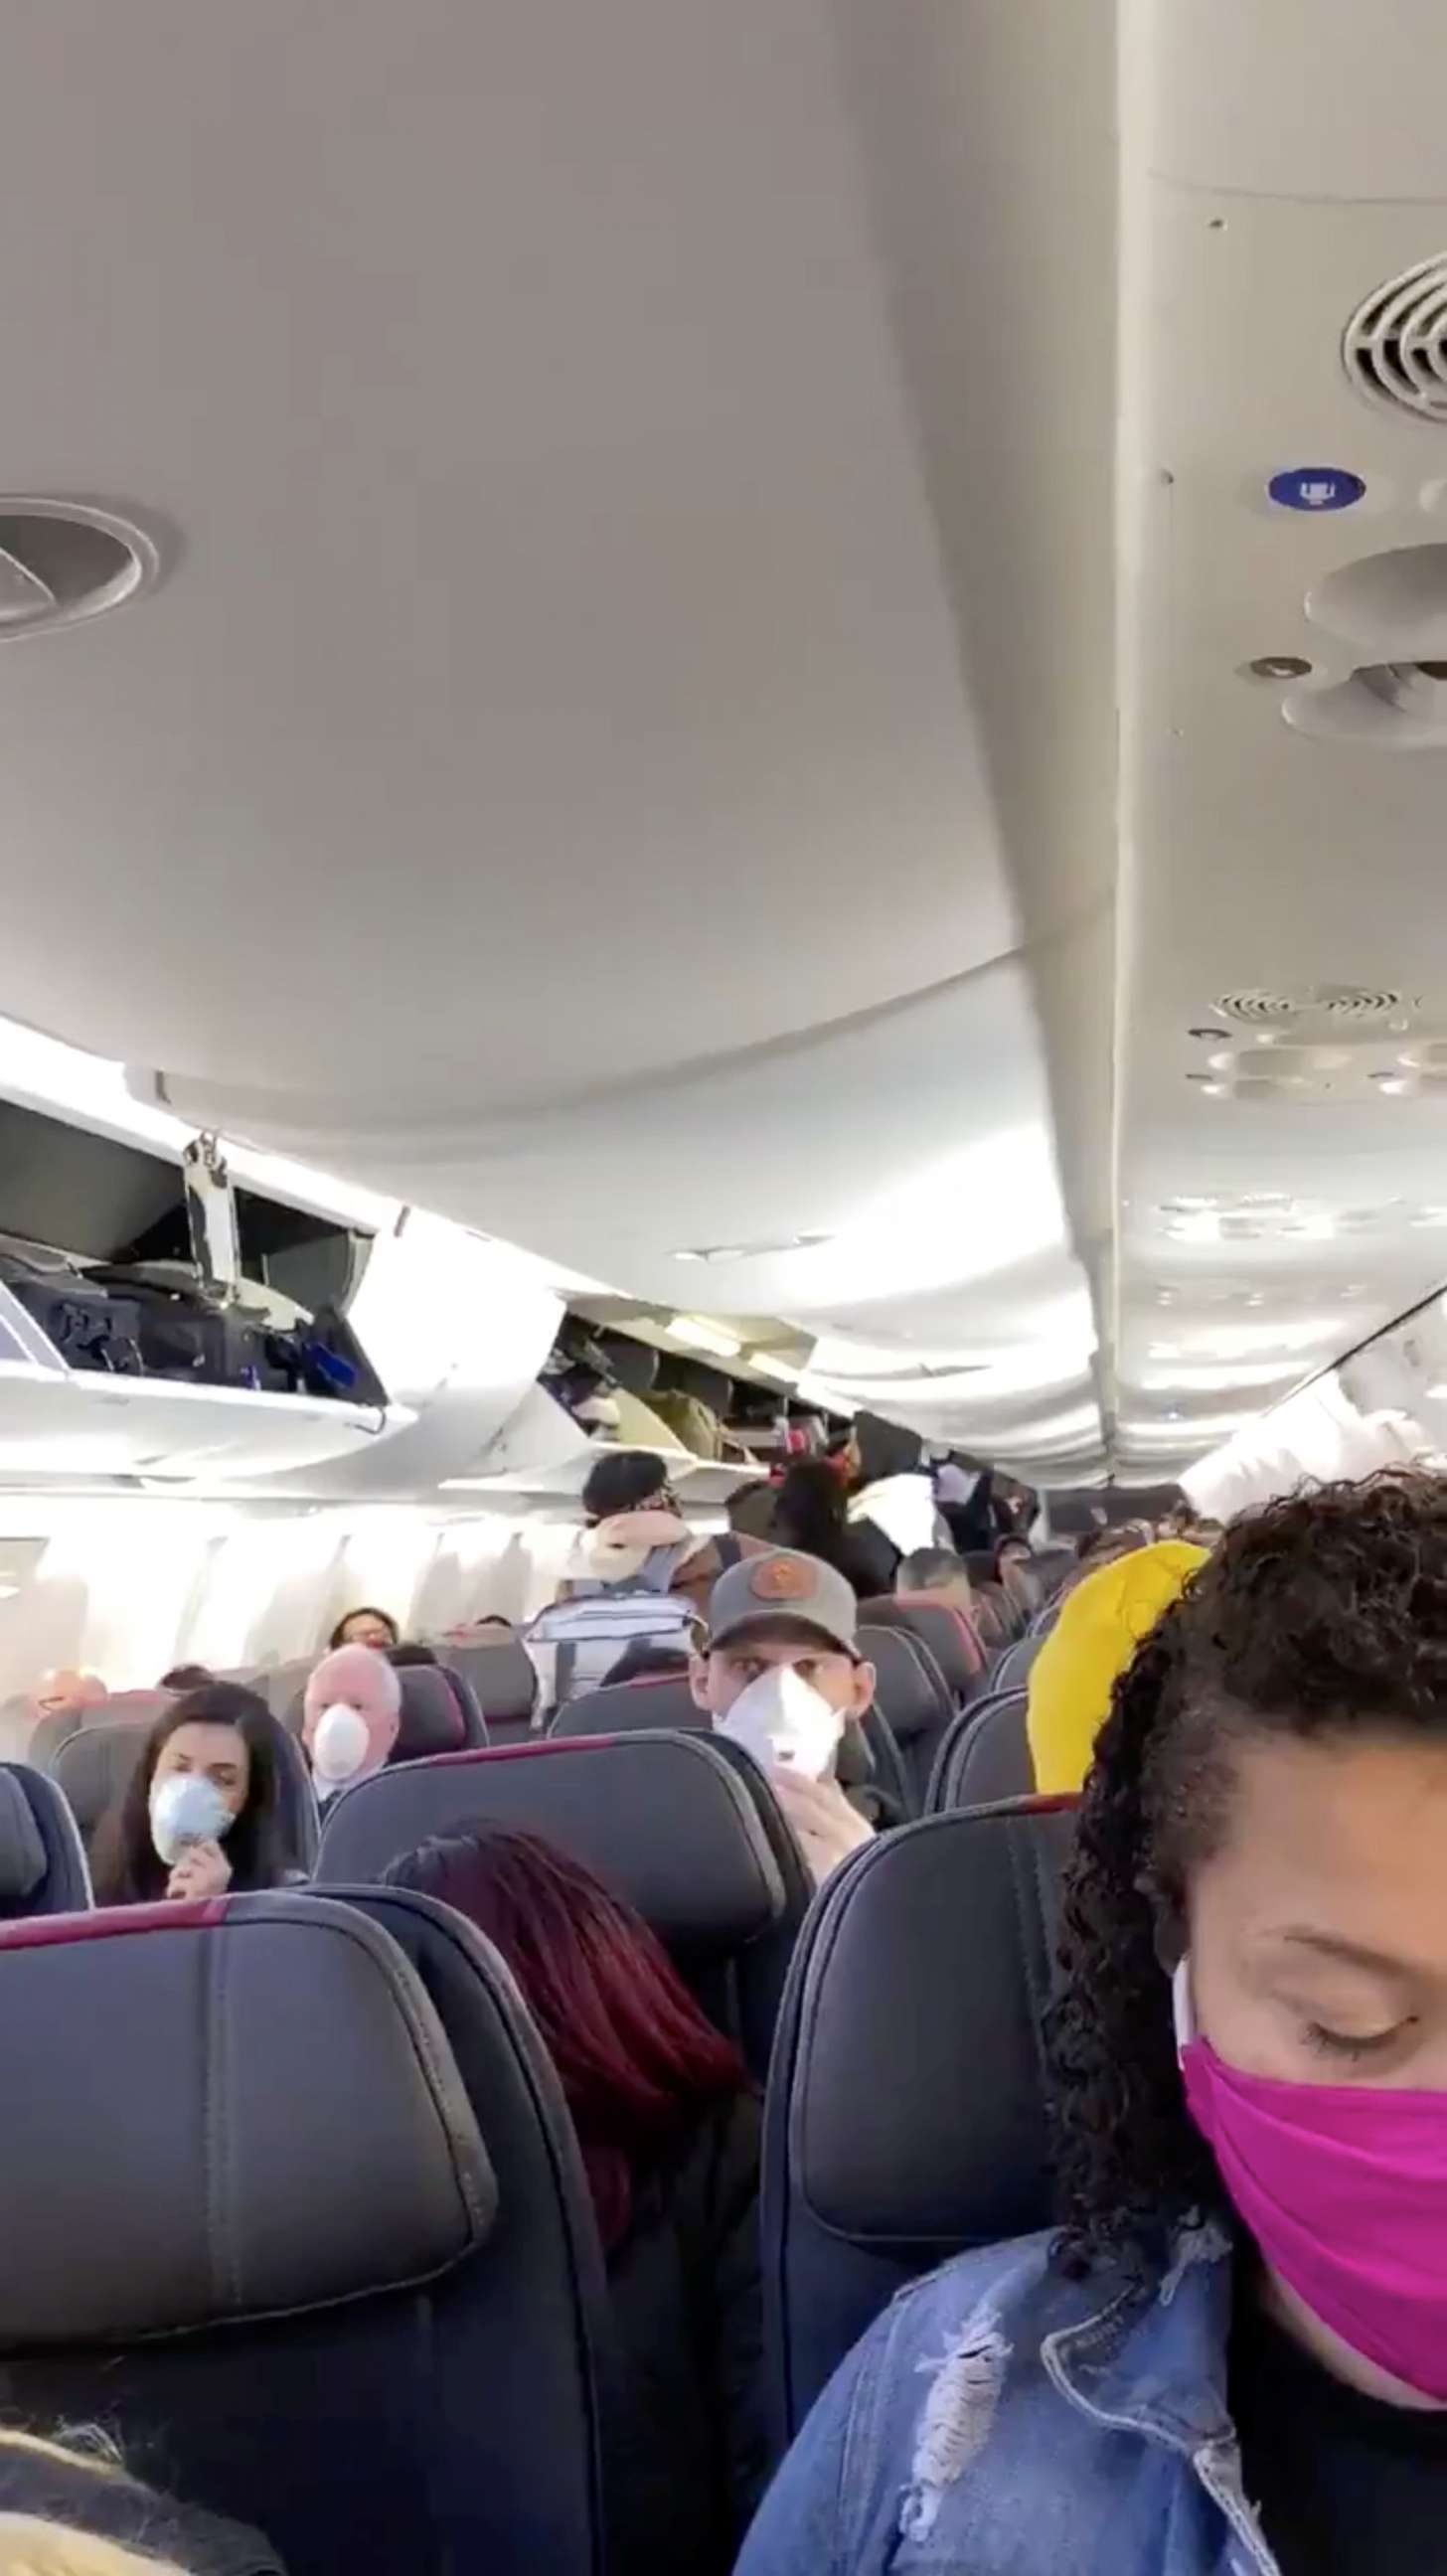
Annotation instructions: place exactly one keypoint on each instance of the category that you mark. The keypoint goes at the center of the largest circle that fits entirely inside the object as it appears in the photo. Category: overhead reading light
(699, 1336)
(64, 560)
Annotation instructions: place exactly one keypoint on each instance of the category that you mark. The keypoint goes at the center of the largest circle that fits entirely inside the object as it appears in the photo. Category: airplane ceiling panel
(636, 617)
(1284, 996)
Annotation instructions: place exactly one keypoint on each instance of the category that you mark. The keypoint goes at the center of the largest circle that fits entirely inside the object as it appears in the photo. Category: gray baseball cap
(761, 1590)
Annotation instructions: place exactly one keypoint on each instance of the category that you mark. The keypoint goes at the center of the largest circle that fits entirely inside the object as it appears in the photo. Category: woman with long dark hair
(668, 2126)
(811, 1517)
(200, 1812)
(1233, 2354)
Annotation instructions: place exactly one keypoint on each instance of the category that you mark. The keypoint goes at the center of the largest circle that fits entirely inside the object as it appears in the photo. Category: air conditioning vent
(1344, 1005)
(63, 560)
(1395, 346)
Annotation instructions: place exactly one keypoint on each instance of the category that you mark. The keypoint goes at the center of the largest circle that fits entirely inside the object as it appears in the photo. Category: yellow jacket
(1093, 1640)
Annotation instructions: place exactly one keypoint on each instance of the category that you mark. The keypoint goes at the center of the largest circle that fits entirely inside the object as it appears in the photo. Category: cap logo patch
(781, 1578)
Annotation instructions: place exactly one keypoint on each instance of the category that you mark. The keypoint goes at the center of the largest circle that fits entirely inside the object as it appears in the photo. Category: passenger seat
(93, 1768)
(339, 2291)
(42, 1858)
(945, 1633)
(915, 1700)
(906, 2117)
(985, 1756)
(504, 1681)
(661, 1704)
(137, 1709)
(662, 1819)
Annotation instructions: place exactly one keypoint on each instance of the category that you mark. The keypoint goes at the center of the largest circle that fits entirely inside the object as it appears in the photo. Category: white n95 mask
(186, 1809)
(340, 1744)
(782, 1720)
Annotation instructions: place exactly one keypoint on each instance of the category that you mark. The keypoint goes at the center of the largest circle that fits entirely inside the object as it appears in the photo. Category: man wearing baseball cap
(782, 1674)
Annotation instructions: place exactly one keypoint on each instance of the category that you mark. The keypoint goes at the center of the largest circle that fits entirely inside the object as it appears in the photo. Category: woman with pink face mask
(1231, 2359)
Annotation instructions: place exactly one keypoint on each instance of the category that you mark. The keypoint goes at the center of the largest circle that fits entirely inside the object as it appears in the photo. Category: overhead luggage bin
(61, 1422)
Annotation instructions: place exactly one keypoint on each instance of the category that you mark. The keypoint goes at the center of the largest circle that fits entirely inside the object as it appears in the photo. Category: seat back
(996, 1618)
(906, 2117)
(663, 1820)
(914, 1699)
(473, 1722)
(433, 1719)
(42, 1858)
(985, 1756)
(303, 2295)
(657, 1701)
(664, 1704)
(93, 1768)
(947, 1634)
(136, 1709)
(503, 1677)
(281, 1685)
(1012, 1671)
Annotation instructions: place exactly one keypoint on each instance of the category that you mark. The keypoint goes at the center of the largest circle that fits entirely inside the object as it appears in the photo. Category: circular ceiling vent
(1395, 346)
(64, 560)
(1353, 1005)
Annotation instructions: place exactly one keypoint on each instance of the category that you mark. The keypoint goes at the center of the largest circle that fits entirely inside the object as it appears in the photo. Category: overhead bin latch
(211, 1215)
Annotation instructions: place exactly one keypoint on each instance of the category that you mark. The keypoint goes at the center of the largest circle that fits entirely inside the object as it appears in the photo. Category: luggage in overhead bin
(164, 1322)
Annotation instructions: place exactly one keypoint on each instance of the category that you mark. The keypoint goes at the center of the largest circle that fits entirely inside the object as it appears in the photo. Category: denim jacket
(999, 2420)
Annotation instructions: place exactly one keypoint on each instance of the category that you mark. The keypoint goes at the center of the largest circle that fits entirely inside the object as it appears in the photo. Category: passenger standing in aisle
(668, 2125)
(811, 1516)
(1234, 2357)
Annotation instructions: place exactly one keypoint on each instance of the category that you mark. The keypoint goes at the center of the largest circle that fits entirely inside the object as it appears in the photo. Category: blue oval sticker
(1316, 487)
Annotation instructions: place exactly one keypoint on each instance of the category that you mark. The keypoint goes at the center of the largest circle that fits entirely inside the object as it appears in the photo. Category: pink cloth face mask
(1344, 2188)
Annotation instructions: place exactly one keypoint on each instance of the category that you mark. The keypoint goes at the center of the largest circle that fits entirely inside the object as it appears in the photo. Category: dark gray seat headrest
(662, 1819)
(503, 1676)
(94, 1769)
(895, 2139)
(22, 1848)
(432, 1719)
(910, 1692)
(248, 2171)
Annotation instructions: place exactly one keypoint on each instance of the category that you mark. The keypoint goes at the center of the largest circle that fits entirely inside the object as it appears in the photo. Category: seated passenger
(351, 1717)
(669, 2132)
(73, 2512)
(936, 1574)
(811, 1517)
(782, 1675)
(69, 1689)
(1016, 1575)
(185, 1677)
(1099, 1628)
(200, 1813)
(375, 1628)
(1235, 2354)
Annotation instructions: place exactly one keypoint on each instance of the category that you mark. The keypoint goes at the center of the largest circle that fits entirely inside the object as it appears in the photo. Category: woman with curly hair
(1231, 2357)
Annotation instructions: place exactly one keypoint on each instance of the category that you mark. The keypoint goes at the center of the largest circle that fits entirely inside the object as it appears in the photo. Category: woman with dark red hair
(668, 2125)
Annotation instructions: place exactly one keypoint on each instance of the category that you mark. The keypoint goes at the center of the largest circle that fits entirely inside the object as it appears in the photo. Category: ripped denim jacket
(1002, 2421)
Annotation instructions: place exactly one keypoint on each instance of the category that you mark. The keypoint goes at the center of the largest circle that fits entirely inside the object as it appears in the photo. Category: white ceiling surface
(1279, 165)
(624, 753)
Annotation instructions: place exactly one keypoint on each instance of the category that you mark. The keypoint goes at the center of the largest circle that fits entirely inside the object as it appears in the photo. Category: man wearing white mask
(351, 1716)
(782, 1675)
